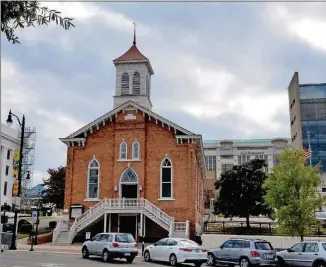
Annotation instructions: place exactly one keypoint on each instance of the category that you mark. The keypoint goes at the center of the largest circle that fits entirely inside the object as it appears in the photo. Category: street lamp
(22, 125)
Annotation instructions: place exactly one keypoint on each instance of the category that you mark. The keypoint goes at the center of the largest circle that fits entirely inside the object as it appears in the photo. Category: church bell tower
(133, 78)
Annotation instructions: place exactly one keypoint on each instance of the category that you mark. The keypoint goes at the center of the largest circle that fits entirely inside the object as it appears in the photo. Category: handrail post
(187, 229)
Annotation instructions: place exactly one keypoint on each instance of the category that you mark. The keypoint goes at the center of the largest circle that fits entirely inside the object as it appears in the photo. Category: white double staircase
(125, 205)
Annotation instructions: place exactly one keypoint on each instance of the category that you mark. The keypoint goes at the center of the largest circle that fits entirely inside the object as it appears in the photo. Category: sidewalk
(56, 249)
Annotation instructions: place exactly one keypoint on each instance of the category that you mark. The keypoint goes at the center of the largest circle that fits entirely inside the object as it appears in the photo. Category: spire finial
(134, 33)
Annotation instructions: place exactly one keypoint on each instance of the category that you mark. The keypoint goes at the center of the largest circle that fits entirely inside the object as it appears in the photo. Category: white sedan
(175, 251)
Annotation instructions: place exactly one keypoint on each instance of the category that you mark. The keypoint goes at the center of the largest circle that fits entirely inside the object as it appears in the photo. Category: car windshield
(124, 238)
(188, 243)
(324, 246)
(263, 246)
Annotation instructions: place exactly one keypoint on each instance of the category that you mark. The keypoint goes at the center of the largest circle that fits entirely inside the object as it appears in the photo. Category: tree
(55, 187)
(23, 14)
(291, 192)
(241, 193)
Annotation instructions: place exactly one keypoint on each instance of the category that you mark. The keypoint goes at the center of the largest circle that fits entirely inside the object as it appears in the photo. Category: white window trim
(133, 152)
(120, 152)
(98, 180)
(161, 187)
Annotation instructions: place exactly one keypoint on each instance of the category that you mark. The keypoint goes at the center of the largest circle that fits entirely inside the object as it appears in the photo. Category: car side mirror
(221, 246)
(155, 244)
(289, 250)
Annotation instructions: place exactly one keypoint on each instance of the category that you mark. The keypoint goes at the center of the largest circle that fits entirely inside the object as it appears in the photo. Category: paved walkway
(48, 248)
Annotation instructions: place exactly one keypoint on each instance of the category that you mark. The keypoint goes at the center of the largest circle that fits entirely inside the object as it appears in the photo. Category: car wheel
(147, 256)
(173, 260)
(130, 259)
(210, 260)
(85, 253)
(319, 263)
(280, 262)
(244, 262)
(106, 255)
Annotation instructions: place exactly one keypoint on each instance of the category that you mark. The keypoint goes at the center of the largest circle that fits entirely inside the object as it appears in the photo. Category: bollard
(142, 248)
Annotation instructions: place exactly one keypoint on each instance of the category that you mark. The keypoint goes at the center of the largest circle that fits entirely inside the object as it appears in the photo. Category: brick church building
(132, 170)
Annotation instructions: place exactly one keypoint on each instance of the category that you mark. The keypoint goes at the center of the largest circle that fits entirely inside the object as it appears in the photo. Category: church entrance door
(129, 191)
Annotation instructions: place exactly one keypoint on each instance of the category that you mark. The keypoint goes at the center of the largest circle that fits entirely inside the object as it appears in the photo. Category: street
(29, 259)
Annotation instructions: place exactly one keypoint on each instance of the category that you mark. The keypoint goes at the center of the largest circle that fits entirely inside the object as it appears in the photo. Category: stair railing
(56, 232)
(157, 212)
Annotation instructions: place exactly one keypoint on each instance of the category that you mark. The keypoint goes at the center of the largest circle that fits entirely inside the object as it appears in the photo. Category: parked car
(110, 246)
(243, 252)
(304, 254)
(175, 251)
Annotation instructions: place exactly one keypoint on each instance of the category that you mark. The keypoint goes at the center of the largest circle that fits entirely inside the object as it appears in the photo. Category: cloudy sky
(221, 69)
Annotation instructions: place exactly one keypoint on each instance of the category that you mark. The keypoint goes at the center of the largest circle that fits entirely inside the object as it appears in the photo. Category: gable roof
(181, 134)
(128, 104)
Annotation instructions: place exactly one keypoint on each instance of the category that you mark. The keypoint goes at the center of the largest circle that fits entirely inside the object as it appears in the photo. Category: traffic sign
(34, 216)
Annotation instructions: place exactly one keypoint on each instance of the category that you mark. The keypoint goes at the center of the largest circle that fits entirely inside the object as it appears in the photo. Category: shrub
(25, 228)
(52, 224)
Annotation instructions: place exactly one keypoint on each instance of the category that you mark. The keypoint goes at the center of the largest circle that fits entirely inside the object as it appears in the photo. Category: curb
(77, 253)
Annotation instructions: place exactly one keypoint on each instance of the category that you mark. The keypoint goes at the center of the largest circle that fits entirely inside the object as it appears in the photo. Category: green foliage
(23, 14)
(241, 193)
(55, 187)
(291, 192)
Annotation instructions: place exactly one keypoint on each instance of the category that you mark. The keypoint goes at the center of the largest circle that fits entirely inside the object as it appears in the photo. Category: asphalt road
(30, 259)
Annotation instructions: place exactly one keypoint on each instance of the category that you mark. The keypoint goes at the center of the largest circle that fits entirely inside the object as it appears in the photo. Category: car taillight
(115, 245)
(186, 249)
(204, 250)
(254, 253)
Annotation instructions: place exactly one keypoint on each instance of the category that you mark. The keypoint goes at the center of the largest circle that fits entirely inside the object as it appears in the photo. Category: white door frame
(128, 183)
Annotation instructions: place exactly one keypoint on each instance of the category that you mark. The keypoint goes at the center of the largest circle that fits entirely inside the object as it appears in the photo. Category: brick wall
(156, 143)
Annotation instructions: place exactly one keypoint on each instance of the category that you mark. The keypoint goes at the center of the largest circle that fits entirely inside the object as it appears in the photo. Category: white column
(141, 224)
(105, 222)
(109, 223)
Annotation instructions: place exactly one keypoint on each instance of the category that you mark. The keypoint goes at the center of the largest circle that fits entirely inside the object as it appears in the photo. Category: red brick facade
(157, 141)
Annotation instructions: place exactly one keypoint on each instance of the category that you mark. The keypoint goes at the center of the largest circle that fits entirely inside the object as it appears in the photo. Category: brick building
(132, 170)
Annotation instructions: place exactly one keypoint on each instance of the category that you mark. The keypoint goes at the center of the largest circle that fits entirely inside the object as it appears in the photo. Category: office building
(307, 105)
(9, 145)
(222, 155)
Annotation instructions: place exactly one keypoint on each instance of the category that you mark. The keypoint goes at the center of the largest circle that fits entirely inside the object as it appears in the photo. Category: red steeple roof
(133, 53)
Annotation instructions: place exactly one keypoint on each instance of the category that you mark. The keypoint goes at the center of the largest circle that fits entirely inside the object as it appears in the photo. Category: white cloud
(304, 25)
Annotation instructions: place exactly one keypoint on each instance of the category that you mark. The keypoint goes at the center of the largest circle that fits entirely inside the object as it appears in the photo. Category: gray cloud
(223, 76)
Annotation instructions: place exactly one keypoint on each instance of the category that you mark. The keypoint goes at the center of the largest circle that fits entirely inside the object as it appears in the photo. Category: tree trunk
(301, 237)
(248, 223)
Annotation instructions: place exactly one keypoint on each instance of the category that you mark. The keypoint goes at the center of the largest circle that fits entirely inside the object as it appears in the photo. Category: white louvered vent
(136, 84)
(125, 84)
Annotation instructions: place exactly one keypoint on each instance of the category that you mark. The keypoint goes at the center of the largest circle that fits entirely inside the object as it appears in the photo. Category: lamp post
(22, 125)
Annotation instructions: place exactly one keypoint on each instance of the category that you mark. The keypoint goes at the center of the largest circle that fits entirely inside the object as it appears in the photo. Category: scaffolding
(27, 162)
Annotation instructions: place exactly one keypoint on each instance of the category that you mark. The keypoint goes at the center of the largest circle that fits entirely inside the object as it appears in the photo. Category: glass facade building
(313, 120)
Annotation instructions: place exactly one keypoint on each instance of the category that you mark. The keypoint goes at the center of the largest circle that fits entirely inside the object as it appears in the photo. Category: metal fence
(255, 228)
(5, 240)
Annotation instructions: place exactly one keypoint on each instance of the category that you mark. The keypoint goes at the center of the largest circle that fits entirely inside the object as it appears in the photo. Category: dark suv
(243, 252)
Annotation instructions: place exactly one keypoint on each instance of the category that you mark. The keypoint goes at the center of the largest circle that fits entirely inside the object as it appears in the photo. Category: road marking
(52, 265)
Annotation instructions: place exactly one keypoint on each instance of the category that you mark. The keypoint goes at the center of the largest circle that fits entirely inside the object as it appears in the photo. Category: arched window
(136, 83)
(135, 150)
(93, 179)
(166, 178)
(123, 150)
(128, 176)
(125, 84)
